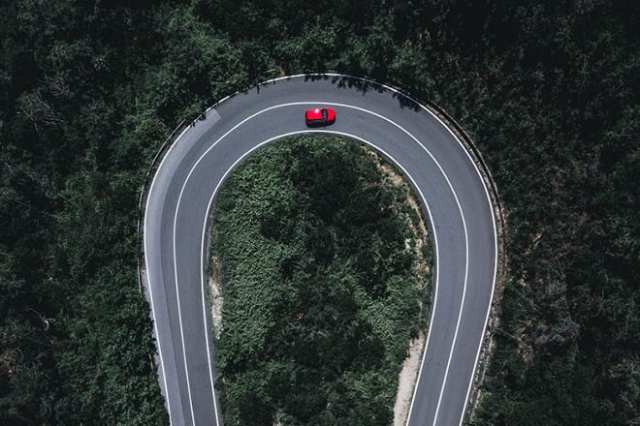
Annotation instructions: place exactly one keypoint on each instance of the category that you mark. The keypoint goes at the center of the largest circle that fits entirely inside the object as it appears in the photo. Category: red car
(320, 116)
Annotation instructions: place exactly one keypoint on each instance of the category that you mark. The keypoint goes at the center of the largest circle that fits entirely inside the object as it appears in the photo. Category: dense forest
(323, 271)
(549, 90)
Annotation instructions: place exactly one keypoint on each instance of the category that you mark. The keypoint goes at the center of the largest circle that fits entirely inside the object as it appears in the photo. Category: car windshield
(324, 114)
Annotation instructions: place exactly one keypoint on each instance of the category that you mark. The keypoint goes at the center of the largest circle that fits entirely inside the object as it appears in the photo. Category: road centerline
(470, 300)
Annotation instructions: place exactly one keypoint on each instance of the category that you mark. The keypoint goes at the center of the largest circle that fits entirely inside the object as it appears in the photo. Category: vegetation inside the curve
(323, 265)
(549, 90)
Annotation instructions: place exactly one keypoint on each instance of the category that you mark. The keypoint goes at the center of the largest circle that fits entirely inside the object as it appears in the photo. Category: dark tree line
(88, 91)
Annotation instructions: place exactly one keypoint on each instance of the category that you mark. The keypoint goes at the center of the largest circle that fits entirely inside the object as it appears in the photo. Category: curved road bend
(454, 199)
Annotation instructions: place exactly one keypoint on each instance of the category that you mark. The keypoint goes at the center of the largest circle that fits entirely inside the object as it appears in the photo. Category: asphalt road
(453, 195)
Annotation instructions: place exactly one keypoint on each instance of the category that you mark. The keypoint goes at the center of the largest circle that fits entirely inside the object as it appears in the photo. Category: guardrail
(142, 198)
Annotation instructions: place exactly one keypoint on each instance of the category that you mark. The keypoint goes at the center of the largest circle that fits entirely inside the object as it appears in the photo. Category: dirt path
(407, 381)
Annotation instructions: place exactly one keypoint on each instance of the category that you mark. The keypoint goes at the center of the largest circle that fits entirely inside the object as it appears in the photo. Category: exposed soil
(407, 381)
(215, 292)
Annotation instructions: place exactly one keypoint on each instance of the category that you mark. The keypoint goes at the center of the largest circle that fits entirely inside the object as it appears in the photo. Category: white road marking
(436, 289)
(437, 262)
